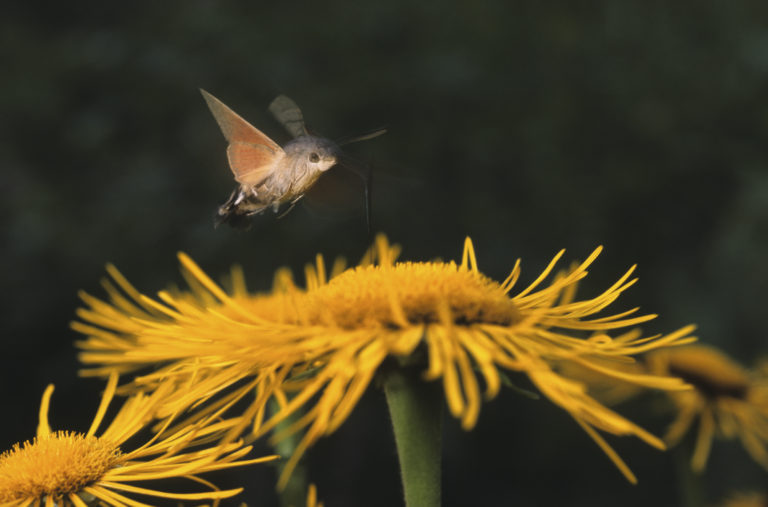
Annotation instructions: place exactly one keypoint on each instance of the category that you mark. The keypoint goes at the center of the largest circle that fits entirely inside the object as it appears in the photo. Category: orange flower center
(711, 372)
(368, 296)
(57, 465)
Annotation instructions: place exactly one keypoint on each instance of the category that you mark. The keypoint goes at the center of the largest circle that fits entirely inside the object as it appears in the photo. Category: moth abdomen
(238, 210)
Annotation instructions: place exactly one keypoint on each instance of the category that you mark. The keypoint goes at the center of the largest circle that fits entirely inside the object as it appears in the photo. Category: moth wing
(289, 115)
(234, 127)
(252, 163)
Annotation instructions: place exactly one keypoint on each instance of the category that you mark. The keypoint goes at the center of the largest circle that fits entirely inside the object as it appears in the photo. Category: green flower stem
(295, 492)
(690, 483)
(416, 407)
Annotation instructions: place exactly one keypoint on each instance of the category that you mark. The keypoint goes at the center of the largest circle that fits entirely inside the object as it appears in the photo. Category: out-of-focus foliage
(532, 127)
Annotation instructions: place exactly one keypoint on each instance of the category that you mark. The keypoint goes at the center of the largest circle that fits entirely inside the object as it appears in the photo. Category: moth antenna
(362, 137)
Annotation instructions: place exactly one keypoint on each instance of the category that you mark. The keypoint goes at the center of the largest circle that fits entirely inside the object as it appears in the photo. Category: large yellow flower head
(319, 347)
(727, 400)
(70, 468)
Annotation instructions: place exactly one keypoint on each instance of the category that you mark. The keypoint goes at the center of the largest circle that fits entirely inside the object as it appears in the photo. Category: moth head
(318, 153)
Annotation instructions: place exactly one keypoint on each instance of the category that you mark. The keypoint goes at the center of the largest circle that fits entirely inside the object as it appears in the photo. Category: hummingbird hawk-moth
(267, 174)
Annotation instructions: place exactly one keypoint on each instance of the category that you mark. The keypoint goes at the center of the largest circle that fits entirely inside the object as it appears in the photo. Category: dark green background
(640, 126)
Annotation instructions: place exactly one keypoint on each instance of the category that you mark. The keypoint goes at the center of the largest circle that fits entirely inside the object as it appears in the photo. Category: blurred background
(638, 126)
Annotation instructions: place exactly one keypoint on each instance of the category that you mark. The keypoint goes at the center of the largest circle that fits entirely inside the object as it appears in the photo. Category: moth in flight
(267, 174)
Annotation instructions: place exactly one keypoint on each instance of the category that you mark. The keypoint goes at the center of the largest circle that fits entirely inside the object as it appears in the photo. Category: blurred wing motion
(288, 114)
(252, 155)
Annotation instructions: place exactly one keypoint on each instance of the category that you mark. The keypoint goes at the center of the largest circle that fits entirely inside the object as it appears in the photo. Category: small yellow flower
(69, 468)
(746, 500)
(312, 497)
(727, 400)
(320, 347)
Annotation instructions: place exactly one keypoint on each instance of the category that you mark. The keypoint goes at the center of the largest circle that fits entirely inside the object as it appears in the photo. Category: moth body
(305, 159)
(267, 174)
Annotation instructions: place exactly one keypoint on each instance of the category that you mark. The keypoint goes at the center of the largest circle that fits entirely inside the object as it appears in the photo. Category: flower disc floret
(59, 464)
(372, 296)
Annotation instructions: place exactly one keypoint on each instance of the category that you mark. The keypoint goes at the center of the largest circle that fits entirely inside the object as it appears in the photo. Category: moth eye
(314, 157)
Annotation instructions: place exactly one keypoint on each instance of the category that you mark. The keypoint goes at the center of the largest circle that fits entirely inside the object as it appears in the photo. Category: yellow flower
(69, 468)
(320, 347)
(727, 400)
(746, 500)
(312, 497)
